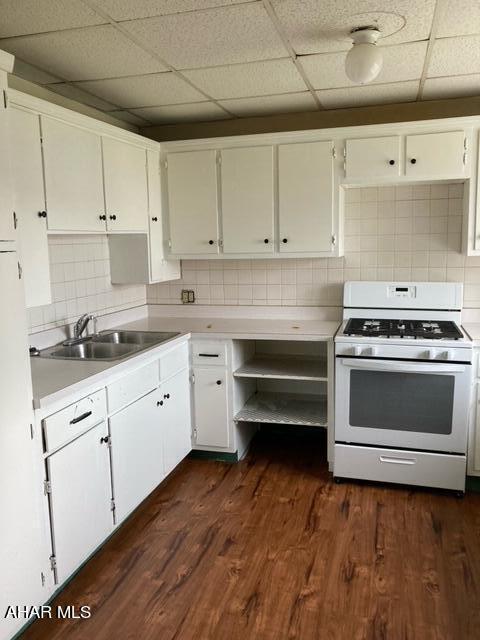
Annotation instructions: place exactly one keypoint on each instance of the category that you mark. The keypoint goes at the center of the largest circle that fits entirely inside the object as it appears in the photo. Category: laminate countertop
(55, 380)
(473, 330)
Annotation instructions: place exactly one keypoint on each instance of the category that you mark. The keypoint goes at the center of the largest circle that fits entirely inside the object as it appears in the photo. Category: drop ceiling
(167, 61)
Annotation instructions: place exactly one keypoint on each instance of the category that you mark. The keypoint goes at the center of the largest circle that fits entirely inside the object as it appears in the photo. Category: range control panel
(401, 291)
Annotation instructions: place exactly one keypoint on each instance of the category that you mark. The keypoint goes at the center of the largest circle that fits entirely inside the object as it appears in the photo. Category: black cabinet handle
(166, 396)
(266, 241)
(413, 160)
(42, 214)
(114, 217)
(391, 162)
(160, 403)
(208, 355)
(219, 382)
(155, 219)
(284, 240)
(211, 242)
(81, 417)
(105, 440)
(103, 217)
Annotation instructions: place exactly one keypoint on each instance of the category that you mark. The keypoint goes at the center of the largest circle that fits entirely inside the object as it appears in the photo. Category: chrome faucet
(82, 323)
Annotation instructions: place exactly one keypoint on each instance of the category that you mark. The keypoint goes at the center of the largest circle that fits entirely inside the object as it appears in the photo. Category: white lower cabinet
(175, 419)
(80, 499)
(473, 457)
(211, 422)
(136, 452)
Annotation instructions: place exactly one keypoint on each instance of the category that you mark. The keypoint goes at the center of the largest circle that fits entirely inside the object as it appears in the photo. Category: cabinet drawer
(174, 361)
(132, 386)
(403, 467)
(65, 425)
(209, 352)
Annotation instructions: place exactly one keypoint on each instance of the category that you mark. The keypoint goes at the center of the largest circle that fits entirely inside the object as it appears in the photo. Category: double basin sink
(108, 345)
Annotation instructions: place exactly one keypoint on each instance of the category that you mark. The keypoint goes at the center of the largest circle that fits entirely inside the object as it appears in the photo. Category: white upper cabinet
(372, 158)
(248, 200)
(125, 175)
(73, 177)
(7, 227)
(160, 269)
(193, 202)
(435, 155)
(305, 183)
(29, 202)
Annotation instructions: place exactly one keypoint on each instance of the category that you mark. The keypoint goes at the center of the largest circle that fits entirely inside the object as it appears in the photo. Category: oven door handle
(408, 367)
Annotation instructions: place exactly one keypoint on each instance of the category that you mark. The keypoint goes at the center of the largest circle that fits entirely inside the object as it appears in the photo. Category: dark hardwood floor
(272, 549)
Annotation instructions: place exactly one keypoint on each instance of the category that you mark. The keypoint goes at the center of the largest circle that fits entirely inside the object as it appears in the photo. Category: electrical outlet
(188, 296)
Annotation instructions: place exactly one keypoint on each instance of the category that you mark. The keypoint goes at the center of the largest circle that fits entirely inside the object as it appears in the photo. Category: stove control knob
(448, 355)
(373, 351)
(357, 350)
(430, 354)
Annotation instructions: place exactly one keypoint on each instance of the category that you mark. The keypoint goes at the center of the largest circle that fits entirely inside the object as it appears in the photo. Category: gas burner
(411, 329)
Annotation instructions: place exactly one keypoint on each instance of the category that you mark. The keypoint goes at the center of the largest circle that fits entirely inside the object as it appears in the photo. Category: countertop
(56, 380)
(473, 330)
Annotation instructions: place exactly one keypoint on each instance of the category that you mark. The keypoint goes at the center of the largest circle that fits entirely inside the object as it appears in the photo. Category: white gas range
(402, 384)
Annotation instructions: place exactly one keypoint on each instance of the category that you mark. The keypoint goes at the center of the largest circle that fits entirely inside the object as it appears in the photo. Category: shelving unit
(285, 408)
(284, 367)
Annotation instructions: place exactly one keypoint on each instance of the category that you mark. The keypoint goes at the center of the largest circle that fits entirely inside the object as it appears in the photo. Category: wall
(392, 233)
(324, 119)
(80, 276)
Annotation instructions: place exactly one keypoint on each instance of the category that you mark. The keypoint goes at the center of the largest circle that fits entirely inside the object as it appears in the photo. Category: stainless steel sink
(109, 345)
(93, 351)
(134, 337)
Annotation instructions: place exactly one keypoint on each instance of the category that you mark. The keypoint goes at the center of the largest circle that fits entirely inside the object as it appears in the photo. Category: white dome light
(364, 60)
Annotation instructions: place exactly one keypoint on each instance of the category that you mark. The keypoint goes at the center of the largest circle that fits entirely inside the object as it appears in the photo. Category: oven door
(405, 404)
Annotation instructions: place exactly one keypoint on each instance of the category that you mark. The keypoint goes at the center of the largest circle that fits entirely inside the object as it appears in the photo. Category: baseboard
(220, 456)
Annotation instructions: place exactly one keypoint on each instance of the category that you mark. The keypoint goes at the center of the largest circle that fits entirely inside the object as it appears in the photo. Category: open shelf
(285, 408)
(284, 367)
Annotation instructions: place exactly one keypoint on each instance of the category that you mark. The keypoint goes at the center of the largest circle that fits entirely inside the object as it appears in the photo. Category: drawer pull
(83, 416)
(208, 355)
(397, 460)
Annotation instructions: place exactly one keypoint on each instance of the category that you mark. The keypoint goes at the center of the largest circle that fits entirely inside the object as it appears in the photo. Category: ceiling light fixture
(364, 60)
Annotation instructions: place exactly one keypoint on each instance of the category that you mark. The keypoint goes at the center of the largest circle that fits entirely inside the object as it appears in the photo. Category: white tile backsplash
(392, 233)
(80, 276)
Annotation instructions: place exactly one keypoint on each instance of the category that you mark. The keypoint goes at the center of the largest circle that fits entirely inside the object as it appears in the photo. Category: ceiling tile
(75, 93)
(238, 33)
(134, 9)
(463, 20)
(266, 105)
(129, 117)
(451, 87)
(33, 74)
(194, 112)
(400, 62)
(245, 80)
(314, 26)
(369, 95)
(20, 17)
(143, 91)
(84, 54)
(455, 56)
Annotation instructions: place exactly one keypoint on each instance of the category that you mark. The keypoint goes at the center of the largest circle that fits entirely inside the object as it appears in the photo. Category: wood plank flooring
(272, 549)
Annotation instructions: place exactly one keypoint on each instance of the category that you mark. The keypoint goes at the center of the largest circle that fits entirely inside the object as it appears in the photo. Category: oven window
(397, 401)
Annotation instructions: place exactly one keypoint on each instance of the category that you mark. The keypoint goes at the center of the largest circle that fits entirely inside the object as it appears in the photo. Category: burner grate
(390, 328)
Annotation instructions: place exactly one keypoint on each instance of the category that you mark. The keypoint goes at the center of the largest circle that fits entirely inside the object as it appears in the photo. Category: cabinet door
(24, 550)
(126, 194)
(211, 420)
(176, 420)
(372, 157)
(435, 155)
(29, 201)
(160, 269)
(306, 197)
(80, 510)
(7, 228)
(474, 454)
(137, 453)
(73, 177)
(247, 200)
(192, 202)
